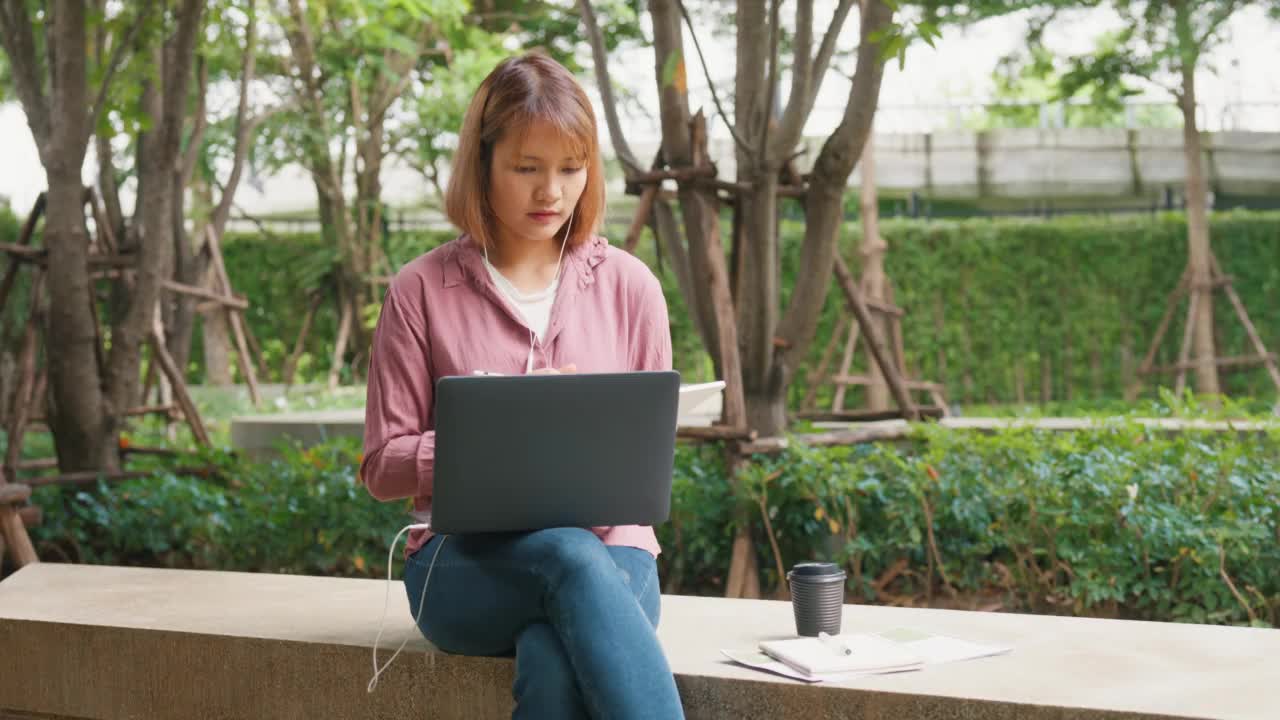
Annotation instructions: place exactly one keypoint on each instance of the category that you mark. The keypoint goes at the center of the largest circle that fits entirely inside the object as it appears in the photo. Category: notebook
(691, 396)
(866, 653)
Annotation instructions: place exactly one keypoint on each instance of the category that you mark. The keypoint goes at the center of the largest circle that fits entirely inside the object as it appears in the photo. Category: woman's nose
(548, 189)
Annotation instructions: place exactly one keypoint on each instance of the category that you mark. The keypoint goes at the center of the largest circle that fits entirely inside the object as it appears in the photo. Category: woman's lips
(545, 218)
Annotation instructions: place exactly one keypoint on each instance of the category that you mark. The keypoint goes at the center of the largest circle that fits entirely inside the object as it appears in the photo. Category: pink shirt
(443, 316)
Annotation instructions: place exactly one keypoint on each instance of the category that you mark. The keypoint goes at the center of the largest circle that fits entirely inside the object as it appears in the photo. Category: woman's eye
(570, 170)
(525, 169)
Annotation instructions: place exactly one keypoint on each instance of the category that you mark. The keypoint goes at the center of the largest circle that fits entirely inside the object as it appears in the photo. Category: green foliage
(1082, 294)
(303, 513)
(1159, 38)
(993, 303)
(278, 274)
(1117, 521)
(1028, 78)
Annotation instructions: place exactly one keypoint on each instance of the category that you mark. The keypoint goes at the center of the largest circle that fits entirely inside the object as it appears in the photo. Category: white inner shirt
(535, 307)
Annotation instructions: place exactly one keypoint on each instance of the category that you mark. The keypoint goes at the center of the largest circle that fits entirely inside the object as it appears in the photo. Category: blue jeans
(579, 615)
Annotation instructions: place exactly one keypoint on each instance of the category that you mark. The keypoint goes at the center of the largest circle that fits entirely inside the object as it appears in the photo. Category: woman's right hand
(566, 370)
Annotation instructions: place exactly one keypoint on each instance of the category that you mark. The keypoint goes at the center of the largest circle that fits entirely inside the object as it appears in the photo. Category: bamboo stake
(160, 354)
(1184, 352)
(875, 342)
(641, 218)
(1254, 337)
(820, 375)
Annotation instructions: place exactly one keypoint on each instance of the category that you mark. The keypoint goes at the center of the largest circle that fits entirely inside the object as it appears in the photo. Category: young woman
(528, 287)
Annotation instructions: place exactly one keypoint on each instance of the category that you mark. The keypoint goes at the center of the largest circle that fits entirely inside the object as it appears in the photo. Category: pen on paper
(836, 644)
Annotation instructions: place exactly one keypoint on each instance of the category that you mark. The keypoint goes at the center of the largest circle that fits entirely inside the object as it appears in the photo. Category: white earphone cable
(386, 601)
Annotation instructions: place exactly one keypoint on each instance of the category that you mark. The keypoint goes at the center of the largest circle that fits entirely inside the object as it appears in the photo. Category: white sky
(957, 71)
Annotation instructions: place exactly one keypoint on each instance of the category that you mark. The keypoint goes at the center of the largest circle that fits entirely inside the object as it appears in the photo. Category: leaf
(673, 72)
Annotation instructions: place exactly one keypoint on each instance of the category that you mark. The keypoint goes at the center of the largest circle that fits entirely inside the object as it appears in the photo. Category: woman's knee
(569, 552)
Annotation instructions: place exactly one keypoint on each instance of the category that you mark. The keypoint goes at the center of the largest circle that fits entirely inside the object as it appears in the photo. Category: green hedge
(1119, 521)
(987, 299)
(1083, 294)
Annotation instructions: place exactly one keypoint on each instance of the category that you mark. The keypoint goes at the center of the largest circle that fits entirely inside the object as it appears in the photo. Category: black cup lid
(815, 570)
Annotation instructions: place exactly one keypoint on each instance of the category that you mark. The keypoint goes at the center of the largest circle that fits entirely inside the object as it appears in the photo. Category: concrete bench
(106, 642)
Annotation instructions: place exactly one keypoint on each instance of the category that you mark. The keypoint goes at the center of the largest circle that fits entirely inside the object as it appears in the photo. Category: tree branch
(601, 60)
(18, 40)
(824, 198)
(201, 123)
(715, 97)
(401, 65)
(244, 127)
(771, 84)
(807, 76)
(117, 57)
(179, 54)
(1216, 19)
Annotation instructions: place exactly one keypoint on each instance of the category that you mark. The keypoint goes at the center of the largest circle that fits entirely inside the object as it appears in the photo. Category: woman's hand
(566, 370)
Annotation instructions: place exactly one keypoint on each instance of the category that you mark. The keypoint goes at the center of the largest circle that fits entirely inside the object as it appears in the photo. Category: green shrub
(303, 513)
(1120, 520)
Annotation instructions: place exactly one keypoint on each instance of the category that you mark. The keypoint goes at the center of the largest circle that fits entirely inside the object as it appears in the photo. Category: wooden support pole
(13, 532)
(641, 218)
(160, 354)
(1171, 306)
(39, 256)
(1184, 353)
(300, 344)
(851, 345)
(714, 432)
(1268, 359)
(92, 476)
(226, 301)
(819, 375)
(223, 282)
(875, 342)
(31, 517)
(28, 229)
(1222, 362)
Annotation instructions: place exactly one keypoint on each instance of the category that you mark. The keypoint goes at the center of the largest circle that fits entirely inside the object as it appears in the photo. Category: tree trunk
(758, 299)
(1204, 350)
(874, 282)
(824, 198)
(159, 150)
(698, 204)
(83, 429)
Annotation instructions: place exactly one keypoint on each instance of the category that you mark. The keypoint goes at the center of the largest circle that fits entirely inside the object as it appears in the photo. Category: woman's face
(535, 181)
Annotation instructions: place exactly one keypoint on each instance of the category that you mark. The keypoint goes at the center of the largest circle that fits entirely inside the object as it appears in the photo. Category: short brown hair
(517, 92)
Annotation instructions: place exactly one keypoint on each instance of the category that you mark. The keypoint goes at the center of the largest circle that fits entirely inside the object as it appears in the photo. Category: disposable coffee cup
(817, 597)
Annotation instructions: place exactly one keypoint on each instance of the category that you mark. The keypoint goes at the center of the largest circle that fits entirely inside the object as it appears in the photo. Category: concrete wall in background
(1032, 163)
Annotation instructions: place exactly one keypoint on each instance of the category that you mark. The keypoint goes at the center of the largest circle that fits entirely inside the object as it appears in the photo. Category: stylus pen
(836, 644)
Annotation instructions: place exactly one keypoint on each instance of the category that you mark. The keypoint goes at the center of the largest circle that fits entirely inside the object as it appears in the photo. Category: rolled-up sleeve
(399, 437)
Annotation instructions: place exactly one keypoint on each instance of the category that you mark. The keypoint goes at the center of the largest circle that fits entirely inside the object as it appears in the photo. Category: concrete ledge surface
(109, 643)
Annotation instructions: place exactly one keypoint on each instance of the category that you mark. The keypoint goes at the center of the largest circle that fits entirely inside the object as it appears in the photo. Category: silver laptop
(527, 452)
